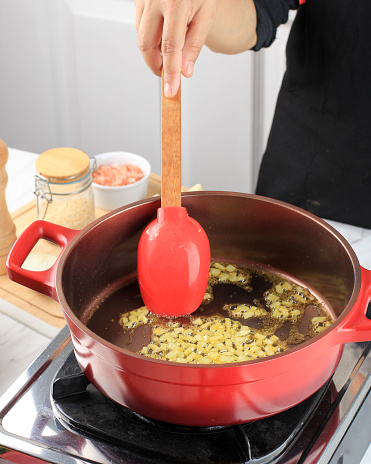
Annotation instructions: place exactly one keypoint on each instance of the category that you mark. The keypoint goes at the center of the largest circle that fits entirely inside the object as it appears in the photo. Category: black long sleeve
(270, 14)
(318, 155)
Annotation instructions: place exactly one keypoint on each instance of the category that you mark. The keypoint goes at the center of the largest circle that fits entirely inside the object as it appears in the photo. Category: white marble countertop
(21, 183)
(19, 191)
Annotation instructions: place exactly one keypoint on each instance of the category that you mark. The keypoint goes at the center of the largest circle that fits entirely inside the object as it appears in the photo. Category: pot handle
(41, 281)
(356, 327)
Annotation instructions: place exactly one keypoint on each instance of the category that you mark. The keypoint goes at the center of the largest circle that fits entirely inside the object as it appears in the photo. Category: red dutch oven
(95, 263)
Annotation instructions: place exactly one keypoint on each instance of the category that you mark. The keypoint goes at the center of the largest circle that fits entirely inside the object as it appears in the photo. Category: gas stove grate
(80, 407)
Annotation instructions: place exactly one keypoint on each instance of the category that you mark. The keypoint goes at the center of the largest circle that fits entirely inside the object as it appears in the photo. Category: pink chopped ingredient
(114, 175)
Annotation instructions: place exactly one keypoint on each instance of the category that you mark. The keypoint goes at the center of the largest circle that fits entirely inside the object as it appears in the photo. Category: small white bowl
(110, 198)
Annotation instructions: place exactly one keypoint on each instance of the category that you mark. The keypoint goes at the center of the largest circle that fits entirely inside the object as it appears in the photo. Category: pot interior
(94, 272)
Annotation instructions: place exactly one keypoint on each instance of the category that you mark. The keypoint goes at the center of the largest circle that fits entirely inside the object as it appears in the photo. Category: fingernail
(167, 90)
(190, 68)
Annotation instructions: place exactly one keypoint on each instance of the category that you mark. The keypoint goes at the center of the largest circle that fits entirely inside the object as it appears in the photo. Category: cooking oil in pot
(248, 312)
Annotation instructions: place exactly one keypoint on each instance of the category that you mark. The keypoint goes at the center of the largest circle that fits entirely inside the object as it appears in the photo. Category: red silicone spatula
(173, 251)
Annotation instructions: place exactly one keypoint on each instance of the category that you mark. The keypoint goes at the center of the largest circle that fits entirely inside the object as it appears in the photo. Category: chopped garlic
(211, 340)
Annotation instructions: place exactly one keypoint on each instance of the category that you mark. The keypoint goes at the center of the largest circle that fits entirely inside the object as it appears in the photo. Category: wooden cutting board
(34, 303)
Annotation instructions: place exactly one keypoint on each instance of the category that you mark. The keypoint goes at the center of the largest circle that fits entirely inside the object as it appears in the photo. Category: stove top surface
(79, 406)
(69, 421)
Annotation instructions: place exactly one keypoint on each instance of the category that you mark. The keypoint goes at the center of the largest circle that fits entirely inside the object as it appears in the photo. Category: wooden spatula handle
(171, 150)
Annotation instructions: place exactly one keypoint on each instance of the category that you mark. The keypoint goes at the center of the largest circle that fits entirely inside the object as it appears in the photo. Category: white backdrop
(72, 75)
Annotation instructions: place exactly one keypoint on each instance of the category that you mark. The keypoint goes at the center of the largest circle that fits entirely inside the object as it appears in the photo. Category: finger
(173, 37)
(195, 39)
(139, 8)
(149, 38)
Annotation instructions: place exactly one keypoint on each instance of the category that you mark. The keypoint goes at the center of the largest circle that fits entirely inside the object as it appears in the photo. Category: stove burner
(80, 407)
(165, 425)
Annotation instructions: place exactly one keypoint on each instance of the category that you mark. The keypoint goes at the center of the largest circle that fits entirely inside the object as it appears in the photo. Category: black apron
(318, 154)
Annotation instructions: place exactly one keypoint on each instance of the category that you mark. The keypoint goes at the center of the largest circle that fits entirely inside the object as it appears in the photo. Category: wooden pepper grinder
(7, 227)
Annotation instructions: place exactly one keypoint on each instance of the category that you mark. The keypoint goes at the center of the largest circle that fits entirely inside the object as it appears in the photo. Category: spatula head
(173, 263)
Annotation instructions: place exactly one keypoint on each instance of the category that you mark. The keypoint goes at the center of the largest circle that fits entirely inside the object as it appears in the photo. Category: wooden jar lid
(62, 163)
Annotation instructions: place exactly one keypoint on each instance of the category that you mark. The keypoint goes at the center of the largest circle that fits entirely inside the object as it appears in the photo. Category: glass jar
(63, 188)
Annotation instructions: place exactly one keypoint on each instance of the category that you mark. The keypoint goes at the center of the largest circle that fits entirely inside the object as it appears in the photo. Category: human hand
(171, 34)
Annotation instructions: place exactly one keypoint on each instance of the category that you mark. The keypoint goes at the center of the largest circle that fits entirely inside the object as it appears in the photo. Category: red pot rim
(301, 347)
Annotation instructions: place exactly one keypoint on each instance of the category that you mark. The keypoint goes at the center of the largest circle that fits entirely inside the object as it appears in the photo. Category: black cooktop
(80, 407)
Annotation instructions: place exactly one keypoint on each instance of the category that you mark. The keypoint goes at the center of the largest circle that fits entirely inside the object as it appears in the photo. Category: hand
(171, 34)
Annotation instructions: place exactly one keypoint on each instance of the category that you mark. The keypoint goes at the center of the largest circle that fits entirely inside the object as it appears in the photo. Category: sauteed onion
(232, 335)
